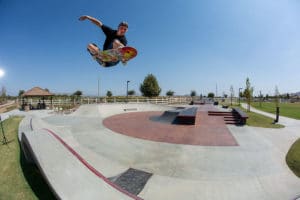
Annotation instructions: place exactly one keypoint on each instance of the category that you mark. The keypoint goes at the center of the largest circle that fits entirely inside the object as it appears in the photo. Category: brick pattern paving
(207, 131)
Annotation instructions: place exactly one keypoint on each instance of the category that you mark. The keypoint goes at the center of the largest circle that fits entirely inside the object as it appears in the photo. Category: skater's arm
(92, 19)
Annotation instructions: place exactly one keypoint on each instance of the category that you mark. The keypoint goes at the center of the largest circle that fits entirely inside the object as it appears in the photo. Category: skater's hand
(124, 62)
(92, 19)
(84, 17)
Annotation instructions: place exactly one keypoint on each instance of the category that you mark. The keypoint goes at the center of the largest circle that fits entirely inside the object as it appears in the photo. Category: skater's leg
(95, 52)
(93, 49)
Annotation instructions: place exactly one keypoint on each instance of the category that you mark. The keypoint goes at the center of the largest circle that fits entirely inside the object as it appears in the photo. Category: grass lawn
(19, 180)
(293, 158)
(291, 110)
(258, 120)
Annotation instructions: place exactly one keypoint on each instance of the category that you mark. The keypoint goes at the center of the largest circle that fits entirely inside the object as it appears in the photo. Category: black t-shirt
(111, 35)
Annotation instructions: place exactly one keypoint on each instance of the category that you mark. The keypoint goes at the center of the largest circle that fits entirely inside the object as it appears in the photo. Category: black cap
(123, 24)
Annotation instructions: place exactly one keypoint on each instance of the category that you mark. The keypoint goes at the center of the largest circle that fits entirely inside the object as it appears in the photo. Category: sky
(205, 46)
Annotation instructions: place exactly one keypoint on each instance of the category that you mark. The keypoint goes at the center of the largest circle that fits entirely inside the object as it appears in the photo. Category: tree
(109, 93)
(248, 93)
(193, 93)
(150, 87)
(170, 93)
(131, 92)
(231, 94)
(21, 92)
(211, 95)
(241, 94)
(77, 93)
(3, 94)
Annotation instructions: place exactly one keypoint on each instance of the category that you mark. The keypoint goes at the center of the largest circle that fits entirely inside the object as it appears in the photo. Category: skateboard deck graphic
(113, 55)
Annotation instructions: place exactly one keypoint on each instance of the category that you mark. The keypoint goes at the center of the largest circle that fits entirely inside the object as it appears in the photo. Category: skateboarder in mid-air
(114, 39)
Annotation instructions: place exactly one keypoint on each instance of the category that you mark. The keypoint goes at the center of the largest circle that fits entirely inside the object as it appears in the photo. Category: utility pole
(98, 86)
(98, 90)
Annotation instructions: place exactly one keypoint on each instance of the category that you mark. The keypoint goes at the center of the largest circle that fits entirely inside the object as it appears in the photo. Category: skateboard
(123, 54)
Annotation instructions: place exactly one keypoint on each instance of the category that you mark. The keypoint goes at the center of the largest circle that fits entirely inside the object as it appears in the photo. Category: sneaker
(100, 61)
(92, 54)
(96, 57)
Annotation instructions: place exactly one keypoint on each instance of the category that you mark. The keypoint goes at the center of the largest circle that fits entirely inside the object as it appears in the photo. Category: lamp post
(240, 96)
(127, 92)
(99, 88)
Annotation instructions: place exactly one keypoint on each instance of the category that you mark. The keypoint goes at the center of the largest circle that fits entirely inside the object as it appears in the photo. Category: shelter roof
(37, 91)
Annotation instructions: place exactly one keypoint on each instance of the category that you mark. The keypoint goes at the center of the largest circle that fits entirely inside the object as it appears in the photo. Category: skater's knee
(90, 46)
(116, 41)
(117, 44)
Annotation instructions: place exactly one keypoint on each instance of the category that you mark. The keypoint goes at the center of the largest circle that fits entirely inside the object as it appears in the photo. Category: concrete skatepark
(87, 155)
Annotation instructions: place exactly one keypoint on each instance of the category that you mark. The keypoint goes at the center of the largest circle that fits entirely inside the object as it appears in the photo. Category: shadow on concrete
(35, 179)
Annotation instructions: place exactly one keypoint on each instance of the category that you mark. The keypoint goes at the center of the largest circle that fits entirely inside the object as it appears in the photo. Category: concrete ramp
(68, 174)
(106, 110)
(88, 110)
(168, 116)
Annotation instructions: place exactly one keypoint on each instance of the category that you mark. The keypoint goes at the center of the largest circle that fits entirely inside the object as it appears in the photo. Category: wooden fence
(60, 102)
(95, 100)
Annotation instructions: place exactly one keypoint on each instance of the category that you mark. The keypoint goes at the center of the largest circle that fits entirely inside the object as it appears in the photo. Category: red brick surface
(208, 130)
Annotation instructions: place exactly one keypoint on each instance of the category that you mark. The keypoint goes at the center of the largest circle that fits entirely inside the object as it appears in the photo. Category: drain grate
(132, 180)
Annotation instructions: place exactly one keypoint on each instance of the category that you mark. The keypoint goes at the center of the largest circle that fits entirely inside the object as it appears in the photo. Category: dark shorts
(110, 64)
